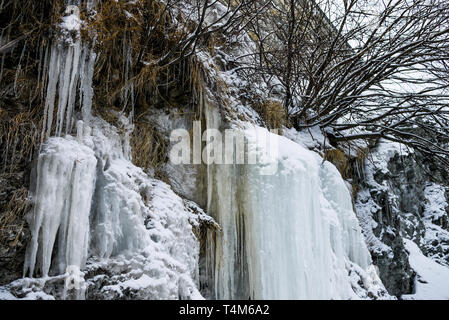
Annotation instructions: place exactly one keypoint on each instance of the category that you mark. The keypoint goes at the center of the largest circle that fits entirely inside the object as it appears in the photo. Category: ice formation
(101, 212)
(93, 208)
(70, 69)
(66, 174)
(290, 235)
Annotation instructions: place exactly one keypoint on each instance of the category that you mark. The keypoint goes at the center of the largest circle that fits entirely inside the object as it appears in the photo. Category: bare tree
(362, 69)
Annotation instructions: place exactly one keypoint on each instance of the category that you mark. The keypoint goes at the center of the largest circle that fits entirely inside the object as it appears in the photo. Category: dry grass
(12, 220)
(30, 25)
(19, 138)
(132, 38)
(272, 113)
(149, 148)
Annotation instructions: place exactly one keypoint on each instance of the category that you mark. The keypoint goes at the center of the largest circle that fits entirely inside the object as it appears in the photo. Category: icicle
(86, 85)
(68, 68)
(72, 87)
(71, 67)
(44, 72)
(64, 82)
(53, 75)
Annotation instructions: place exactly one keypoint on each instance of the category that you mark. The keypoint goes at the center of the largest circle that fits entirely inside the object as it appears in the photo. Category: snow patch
(432, 281)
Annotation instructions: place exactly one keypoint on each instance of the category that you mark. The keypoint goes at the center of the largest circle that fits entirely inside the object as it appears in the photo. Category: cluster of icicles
(90, 200)
(71, 175)
(70, 71)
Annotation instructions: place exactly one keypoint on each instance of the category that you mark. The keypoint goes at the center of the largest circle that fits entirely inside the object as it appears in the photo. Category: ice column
(70, 67)
(66, 174)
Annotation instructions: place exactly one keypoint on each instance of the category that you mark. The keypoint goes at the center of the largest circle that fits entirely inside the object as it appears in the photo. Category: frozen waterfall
(289, 235)
(93, 209)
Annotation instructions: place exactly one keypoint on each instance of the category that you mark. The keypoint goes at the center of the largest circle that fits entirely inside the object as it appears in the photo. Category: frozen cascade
(119, 208)
(290, 235)
(95, 210)
(66, 174)
(300, 229)
(66, 169)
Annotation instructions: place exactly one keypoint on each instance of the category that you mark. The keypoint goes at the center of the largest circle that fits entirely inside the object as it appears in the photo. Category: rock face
(15, 236)
(402, 196)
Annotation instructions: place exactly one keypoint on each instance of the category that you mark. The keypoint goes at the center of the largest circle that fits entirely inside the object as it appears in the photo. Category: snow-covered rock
(432, 280)
(402, 197)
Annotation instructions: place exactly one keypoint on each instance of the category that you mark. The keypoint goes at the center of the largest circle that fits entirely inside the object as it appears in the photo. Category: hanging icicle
(71, 67)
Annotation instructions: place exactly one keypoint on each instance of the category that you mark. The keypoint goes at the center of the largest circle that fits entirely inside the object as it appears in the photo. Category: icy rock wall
(403, 196)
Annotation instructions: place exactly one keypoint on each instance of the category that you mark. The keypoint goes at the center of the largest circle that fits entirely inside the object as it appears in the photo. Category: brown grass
(339, 159)
(12, 220)
(19, 138)
(149, 148)
(272, 113)
(132, 38)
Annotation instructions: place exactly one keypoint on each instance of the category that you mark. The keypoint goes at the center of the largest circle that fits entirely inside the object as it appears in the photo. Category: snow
(137, 284)
(432, 278)
(436, 239)
(365, 208)
(310, 138)
(6, 295)
(71, 22)
(436, 203)
(166, 267)
(386, 150)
